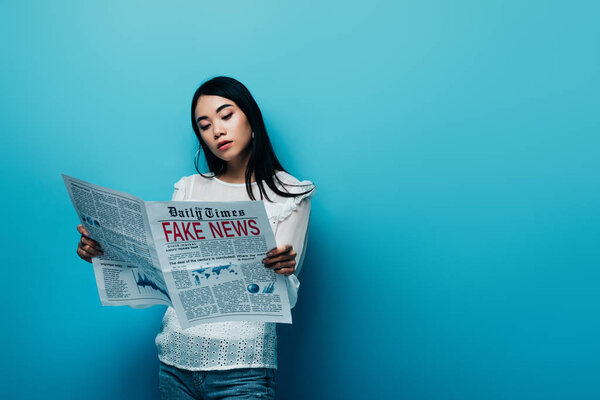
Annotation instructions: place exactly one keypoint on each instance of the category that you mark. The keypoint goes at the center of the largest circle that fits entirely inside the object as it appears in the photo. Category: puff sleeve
(292, 228)
(179, 192)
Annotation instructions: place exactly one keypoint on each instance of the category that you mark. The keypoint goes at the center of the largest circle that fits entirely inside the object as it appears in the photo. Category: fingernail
(264, 260)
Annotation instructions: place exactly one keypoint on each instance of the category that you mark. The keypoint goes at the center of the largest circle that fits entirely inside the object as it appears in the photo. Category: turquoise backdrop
(455, 234)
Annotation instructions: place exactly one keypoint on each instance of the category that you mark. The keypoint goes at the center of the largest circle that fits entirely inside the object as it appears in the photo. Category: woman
(231, 359)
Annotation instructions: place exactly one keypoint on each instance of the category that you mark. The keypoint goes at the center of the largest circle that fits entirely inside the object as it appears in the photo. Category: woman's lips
(225, 146)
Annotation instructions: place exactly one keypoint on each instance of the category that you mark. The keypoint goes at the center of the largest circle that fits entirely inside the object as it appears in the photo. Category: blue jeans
(239, 383)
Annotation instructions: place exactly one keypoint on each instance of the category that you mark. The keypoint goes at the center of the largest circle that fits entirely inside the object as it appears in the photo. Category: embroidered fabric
(239, 344)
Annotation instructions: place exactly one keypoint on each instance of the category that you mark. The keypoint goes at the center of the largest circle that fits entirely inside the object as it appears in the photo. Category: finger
(82, 230)
(92, 251)
(285, 271)
(278, 250)
(83, 255)
(87, 252)
(282, 264)
(91, 242)
(284, 257)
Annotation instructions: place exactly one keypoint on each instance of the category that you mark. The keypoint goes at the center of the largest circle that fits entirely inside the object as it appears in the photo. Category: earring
(252, 135)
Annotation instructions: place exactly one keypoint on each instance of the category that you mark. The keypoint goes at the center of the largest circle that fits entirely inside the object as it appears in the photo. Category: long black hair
(262, 162)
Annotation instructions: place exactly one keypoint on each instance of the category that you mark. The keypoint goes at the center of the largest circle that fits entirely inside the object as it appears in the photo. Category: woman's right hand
(87, 247)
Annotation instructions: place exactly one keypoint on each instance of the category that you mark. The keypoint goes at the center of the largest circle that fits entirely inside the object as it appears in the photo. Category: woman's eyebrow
(218, 109)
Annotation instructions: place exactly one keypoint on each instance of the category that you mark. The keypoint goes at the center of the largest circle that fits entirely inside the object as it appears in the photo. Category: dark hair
(262, 162)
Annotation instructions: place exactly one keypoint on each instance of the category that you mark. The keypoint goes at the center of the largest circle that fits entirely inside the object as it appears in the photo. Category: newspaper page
(201, 258)
(211, 256)
(129, 271)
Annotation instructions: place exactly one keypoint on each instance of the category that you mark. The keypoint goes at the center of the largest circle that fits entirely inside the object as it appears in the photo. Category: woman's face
(224, 127)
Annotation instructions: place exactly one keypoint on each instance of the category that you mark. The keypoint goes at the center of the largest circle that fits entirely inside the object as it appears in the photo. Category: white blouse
(239, 344)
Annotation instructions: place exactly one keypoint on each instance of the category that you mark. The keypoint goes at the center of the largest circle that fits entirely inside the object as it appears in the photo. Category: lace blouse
(239, 344)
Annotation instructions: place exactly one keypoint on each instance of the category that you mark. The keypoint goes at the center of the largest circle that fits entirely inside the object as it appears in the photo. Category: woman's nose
(218, 131)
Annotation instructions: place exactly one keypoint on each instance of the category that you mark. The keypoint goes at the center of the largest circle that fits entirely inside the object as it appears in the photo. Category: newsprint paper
(201, 258)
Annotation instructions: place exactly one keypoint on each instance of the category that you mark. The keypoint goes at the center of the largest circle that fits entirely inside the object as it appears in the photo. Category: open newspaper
(201, 258)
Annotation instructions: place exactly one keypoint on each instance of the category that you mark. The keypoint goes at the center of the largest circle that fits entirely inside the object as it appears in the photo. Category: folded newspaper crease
(201, 258)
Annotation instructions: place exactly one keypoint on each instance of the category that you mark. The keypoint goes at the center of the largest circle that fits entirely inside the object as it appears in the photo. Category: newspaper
(201, 258)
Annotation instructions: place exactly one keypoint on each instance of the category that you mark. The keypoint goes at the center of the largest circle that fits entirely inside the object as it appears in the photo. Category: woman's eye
(205, 127)
(227, 116)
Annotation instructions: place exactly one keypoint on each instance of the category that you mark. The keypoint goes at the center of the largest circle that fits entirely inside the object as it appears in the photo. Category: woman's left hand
(281, 259)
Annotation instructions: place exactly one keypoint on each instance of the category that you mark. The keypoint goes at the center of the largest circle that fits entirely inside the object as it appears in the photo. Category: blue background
(454, 241)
